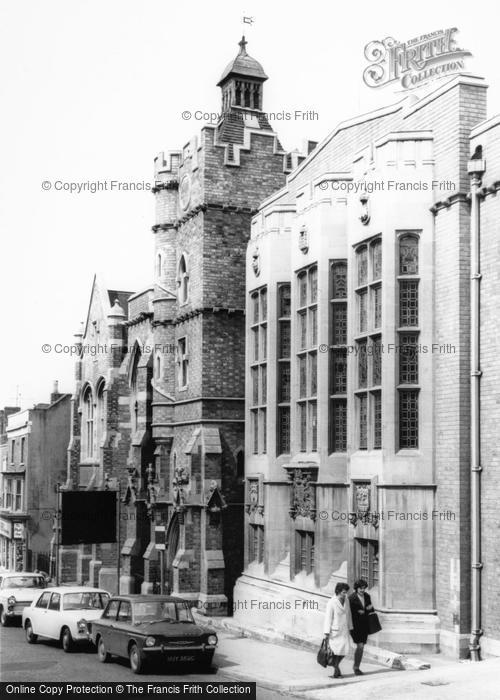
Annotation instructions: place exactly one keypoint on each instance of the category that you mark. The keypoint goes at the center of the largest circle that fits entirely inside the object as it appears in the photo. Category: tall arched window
(100, 414)
(134, 390)
(88, 424)
(158, 368)
(183, 281)
(159, 265)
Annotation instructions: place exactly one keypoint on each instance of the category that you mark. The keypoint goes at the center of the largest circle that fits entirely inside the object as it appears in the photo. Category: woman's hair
(360, 583)
(341, 587)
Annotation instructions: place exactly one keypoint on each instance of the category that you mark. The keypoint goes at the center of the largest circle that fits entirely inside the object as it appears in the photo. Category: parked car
(144, 628)
(63, 613)
(17, 590)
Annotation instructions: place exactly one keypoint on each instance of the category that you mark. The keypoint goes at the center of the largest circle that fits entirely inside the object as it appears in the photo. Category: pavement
(279, 669)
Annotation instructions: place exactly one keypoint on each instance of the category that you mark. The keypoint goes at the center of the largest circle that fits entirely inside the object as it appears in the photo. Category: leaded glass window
(258, 369)
(284, 340)
(408, 303)
(284, 382)
(362, 364)
(363, 417)
(408, 418)
(339, 323)
(377, 307)
(377, 361)
(339, 370)
(337, 421)
(408, 358)
(362, 312)
(362, 255)
(377, 420)
(377, 260)
(339, 275)
(302, 289)
(284, 301)
(303, 426)
(302, 377)
(408, 255)
(283, 429)
(339, 425)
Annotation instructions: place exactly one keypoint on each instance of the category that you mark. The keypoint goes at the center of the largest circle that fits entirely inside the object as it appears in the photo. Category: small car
(17, 590)
(147, 628)
(63, 613)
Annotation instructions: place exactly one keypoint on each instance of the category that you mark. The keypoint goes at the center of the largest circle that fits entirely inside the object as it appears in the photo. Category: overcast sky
(93, 90)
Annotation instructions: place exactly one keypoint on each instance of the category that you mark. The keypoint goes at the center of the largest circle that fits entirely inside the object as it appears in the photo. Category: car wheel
(136, 657)
(30, 636)
(102, 654)
(66, 640)
(4, 620)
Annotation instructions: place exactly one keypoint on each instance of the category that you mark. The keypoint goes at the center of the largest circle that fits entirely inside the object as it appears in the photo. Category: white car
(18, 589)
(62, 613)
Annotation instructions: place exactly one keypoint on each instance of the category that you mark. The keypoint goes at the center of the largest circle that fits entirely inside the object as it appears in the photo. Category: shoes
(358, 672)
(337, 674)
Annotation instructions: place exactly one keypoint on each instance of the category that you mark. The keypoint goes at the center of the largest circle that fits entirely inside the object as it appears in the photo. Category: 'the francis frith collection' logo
(413, 62)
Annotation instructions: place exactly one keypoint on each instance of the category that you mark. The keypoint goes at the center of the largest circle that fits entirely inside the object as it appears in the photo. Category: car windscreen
(165, 611)
(23, 582)
(85, 601)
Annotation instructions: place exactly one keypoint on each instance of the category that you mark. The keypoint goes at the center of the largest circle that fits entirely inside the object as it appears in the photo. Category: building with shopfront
(33, 463)
(359, 329)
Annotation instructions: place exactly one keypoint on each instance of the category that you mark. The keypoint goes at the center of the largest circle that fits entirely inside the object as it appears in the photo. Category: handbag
(323, 653)
(374, 625)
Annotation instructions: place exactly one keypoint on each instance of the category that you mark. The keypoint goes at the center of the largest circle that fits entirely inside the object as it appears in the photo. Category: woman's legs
(336, 662)
(358, 655)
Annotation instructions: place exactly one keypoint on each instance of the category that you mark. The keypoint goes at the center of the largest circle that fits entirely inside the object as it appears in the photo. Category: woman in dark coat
(361, 605)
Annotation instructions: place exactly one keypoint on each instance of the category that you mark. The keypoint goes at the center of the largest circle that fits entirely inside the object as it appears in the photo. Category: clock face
(185, 191)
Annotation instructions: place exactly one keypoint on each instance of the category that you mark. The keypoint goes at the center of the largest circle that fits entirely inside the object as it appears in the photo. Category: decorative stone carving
(362, 505)
(181, 479)
(303, 240)
(131, 490)
(365, 210)
(303, 493)
(256, 261)
(362, 497)
(152, 490)
(253, 496)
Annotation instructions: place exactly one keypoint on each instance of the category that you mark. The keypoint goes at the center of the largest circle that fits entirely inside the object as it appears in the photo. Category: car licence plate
(180, 658)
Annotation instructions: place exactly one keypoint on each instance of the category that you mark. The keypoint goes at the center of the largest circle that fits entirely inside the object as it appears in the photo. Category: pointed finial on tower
(243, 46)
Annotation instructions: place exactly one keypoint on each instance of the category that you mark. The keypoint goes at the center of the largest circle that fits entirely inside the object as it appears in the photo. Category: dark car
(147, 628)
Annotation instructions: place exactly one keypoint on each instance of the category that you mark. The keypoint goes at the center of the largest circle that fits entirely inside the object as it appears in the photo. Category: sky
(92, 91)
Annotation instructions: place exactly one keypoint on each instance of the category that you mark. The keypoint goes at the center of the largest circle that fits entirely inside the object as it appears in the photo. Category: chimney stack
(55, 392)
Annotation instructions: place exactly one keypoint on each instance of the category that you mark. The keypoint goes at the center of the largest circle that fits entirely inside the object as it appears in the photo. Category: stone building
(165, 411)
(33, 463)
(358, 400)
(99, 444)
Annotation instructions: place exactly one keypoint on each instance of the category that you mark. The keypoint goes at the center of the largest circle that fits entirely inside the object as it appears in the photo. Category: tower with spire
(206, 194)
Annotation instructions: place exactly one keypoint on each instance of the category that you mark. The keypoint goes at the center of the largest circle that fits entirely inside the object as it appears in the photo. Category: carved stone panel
(303, 492)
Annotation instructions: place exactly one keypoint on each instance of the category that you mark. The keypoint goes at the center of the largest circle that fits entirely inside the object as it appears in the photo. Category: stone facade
(168, 401)
(358, 377)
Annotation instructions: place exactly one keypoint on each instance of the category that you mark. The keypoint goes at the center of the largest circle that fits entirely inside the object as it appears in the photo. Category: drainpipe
(475, 168)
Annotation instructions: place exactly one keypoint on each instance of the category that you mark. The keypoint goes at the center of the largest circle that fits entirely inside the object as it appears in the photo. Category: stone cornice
(456, 198)
(168, 185)
(492, 189)
(142, 316)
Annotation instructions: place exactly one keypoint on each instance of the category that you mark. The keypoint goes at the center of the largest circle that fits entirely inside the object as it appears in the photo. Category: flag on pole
(248, 20)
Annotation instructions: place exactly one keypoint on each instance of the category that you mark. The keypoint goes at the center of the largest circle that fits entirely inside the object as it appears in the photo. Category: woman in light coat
(338, 624)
